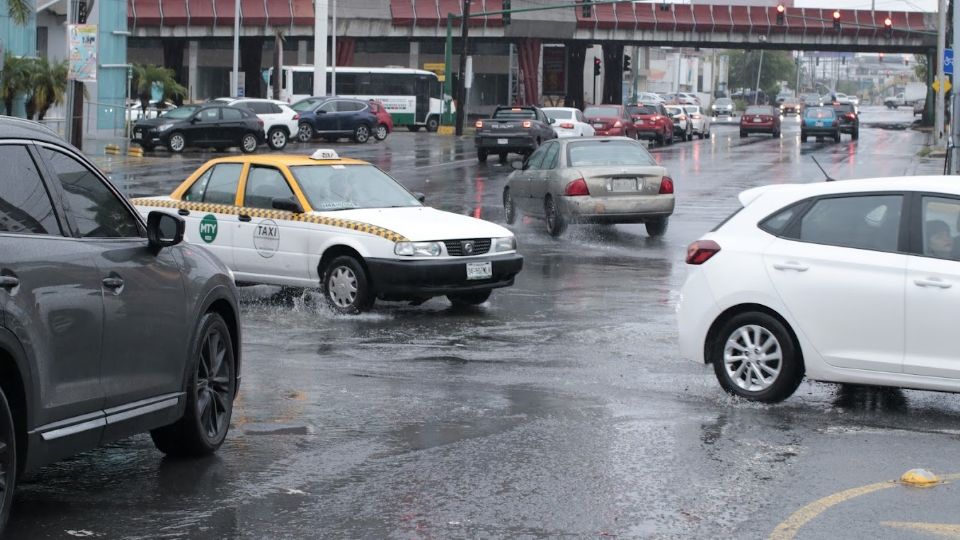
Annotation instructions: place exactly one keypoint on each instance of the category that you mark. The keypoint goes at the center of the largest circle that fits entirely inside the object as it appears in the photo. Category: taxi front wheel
(346, 287)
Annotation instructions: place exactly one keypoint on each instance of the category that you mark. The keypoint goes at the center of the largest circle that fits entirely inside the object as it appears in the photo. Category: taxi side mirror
(163, 230)
(287, 205)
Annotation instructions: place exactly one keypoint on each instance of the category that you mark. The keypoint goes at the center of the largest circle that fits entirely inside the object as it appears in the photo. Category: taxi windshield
(346, 187)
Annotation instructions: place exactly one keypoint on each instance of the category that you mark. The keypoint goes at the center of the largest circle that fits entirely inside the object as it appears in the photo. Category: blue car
(334, 118)
(820, 122)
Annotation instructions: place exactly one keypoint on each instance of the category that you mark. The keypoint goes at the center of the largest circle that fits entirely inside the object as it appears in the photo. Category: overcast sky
(896, 5)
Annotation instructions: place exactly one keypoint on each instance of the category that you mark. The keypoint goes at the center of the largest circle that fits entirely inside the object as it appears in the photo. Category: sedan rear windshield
(345, 187)
(601, 111)
(515, 114)
(642, 109)
(600, 153)
(819, 112)
(560, 115)
(758, 110)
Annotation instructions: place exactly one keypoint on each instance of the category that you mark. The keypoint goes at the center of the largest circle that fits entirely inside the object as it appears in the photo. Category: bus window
(303, 83)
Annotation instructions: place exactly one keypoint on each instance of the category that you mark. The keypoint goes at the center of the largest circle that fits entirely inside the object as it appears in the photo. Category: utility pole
(333, 47)
(941, 78)
(955, 118)
(320, 15)
(235, 87)
(464, 50)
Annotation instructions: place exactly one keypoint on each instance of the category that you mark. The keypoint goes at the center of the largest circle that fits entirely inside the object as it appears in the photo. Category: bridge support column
(612, 73)
(929, 106)
(576, 58)
(251, 58)
(528, 51)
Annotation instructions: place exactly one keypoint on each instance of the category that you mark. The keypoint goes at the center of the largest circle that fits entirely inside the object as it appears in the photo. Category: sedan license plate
(758, 120)
(600, 126)
(479, 270)
(502, 141)
(819, 124)
(623, 184)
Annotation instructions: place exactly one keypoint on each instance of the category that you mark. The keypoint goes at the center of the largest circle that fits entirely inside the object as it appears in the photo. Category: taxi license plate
(479, 270)
(819, 124)
(758, 120)
(623, 184)
(502, 141)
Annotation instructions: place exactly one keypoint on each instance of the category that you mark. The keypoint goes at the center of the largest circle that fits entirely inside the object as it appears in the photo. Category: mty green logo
(208, 228)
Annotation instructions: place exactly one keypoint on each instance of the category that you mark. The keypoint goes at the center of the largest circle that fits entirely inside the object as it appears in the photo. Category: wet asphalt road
(560, 409)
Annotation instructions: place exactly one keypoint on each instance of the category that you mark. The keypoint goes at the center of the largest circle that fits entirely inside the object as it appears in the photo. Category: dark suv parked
(207, 126)
(335, 118)
(108, 327)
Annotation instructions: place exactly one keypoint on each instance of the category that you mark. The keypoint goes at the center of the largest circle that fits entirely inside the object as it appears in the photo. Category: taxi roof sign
(325, 154)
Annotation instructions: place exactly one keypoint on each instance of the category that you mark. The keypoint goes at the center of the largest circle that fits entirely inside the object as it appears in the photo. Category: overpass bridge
(613, 25)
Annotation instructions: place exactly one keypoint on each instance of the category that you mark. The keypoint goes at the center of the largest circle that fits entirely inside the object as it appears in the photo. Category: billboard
(82, 52)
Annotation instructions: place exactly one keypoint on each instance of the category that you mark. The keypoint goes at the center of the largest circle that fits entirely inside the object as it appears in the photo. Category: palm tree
(20, 10)
(147, 76)
(14, 80)
(49, 83)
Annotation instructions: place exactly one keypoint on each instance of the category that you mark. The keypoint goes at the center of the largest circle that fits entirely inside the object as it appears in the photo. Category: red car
(385, 121)
(652, 122)
(760, 119)
(610, 121)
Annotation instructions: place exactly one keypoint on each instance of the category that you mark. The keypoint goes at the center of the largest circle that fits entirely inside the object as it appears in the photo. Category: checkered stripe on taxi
(358, 226)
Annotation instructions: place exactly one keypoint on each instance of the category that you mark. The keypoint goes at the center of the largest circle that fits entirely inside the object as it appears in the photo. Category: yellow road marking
(945, 530)
(789, 528)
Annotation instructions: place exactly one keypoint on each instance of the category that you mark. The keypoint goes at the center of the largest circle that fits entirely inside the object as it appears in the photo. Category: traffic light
(888, 28)
(596, 66)
(587, 8)
(836, 19)
(626, 62)
(780, 13)
(506, 9)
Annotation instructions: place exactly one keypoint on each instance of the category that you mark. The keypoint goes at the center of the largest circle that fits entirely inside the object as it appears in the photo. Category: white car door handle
(791, 265)
(933, 282)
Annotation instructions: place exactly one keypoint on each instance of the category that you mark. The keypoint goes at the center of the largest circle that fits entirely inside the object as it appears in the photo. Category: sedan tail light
(700, 251)
(666, 185)
(851, 116)
(695, 116)
(577, 188)
(566, 125)
(527, 124)
(618, 124)
(479, 124)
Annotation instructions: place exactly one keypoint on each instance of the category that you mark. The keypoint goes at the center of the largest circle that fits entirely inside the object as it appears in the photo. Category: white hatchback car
(569, 122)
(854, 281)
(699, 122)
(280, 122)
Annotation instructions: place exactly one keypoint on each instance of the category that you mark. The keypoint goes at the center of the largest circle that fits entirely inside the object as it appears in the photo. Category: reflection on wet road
(558, 409)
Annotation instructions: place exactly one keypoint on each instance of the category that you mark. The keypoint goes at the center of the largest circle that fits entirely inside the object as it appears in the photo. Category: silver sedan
(594, 180)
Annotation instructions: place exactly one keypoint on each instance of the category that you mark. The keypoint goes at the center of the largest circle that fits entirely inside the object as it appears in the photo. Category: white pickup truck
(912, 93)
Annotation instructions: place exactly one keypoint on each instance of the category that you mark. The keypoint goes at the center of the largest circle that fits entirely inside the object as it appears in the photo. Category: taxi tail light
(527, 124)
(479, 124)
(701, 251)
(666, 186)
(566, 125)
(577, 188)
(618, 124)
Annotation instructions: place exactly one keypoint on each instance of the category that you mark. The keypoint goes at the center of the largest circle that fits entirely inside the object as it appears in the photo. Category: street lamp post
(235, 90)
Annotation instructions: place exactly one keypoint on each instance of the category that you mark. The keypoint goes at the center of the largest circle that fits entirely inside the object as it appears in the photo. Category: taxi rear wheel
(346, 287)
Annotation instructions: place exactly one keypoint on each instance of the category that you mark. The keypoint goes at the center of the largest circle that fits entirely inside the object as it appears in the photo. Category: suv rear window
(515, 114)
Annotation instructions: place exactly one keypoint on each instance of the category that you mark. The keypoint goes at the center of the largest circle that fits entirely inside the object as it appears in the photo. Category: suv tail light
(666, 185)
(527, 124)
(259, 121)
(577, 188)
(700, 251)
(296, 117)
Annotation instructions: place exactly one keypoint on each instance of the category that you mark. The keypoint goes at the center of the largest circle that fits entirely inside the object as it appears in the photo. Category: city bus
(413, 97)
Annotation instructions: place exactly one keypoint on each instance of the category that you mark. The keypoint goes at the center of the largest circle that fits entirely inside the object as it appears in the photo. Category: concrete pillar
(302, 52)
(414, 55)
(192, 80)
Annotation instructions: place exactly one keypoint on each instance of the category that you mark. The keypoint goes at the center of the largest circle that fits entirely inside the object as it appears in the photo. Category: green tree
(146, 76)
(14, 80)
(777, 66)
(19, 10)
(49, 83)
(920, 68)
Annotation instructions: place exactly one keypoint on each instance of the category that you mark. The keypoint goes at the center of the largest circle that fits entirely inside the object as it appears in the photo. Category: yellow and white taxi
(342, 224)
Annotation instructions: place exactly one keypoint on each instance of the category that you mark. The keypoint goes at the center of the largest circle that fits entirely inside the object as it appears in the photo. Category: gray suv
(108, 327)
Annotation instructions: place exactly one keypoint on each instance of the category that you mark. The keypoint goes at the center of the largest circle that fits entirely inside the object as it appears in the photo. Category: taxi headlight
(508, 243)
(417, 249)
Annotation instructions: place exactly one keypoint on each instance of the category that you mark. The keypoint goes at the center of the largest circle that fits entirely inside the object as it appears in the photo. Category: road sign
(948, 61)
(946, 85)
